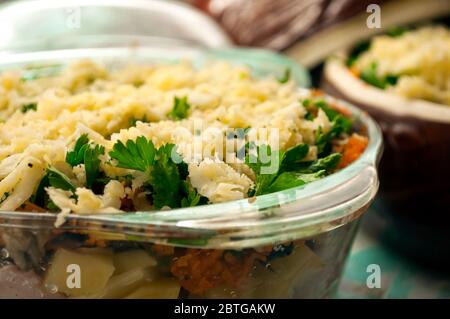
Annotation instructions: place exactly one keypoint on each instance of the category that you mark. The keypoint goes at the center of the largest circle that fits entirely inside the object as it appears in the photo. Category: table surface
(400, 278)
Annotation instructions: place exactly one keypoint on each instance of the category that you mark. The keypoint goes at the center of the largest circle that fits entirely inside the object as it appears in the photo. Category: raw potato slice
(286, 272)
(121, 285)
(276, 282)
(161, 288)
(95, 271)
(132, 259)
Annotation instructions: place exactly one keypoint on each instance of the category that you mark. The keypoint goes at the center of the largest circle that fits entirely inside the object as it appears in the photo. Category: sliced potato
(95, 269)
(131, 259)
(161, 288)
(123, 284)
(285, 272)
(276, 281)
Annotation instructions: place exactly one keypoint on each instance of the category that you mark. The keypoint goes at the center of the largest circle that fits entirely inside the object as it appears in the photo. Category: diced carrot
(353, 149)
(316, 92)
(30, 207)
(341, 109)
(354, 71)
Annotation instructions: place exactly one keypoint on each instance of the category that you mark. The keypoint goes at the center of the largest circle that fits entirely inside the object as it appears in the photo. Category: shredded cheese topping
(86, 98)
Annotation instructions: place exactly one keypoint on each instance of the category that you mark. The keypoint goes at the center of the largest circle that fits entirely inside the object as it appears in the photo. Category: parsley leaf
(167, 182)
(339, 124)
(58, 179)
(132, 121)
(286, 76)
(40, 197)
(292, 169)
(291, 172)
(294, 155)
(165, 179)
(193, 198)
(327, 164)
(92, 163)
(370, 76)
(76, 157)
(260, 163)
(284, 181)
(396, 31)
(357, 51)
(138, 155)
(86, 154)
(29, 107)
(180, 109)
(281, 179)
(166, 171)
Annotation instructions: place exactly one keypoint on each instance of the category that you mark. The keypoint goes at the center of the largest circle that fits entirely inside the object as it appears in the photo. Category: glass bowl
(213, 251)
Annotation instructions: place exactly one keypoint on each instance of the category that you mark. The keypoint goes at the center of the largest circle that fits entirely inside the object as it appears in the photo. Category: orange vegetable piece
(30, 207)
(353, 149)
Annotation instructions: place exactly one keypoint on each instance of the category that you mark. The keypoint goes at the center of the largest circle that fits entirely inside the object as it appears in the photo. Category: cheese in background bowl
(402, 78)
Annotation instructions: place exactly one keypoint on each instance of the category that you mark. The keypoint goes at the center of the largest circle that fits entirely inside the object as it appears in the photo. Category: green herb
(180, 109)
(52, 206)
(307, 105)
(357, 51)
(86, 154)
(309, 116)
(326, 164)
(76, 157)
(339, 124)
(53, 178)
(293, 179)
(289, 169)
(287, 173)
(139, 155)
(40, 197)
(165, 168)
(286, 76)
(165, 179)
(92, 164)
(396, 31)
(29, 107)
(370, 76)
(58, 179)
(260, 163)
(132, 121)
(294, 155)
(193, 198)
(188, 241)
